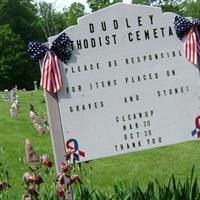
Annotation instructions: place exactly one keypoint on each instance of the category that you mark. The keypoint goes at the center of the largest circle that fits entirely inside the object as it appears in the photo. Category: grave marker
(31, 107)
(13, 96)
(35, 85)
(6, 95)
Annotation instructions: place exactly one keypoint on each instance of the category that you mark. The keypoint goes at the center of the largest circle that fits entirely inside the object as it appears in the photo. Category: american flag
(192, 46)
(50, 72)
(190, 34)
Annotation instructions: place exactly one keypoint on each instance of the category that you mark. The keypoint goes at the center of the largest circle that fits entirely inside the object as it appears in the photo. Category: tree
(21, 16)
(144, 2)
(75, 11)
(17, 27)
(172, 7)
(192, 8)
(166, 5)
(14, 66)
(50, 21)
(99, 4)
(159, 3)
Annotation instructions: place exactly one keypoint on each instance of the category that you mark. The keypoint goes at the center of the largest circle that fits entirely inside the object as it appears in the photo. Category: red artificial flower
(32, 191)
(68, 154)
(45, 161)
(60, 190)
(27, 177)
(64, 167)
(26, 197)
(74, 179)
(4, 185)
(36, 179)
(60, 178)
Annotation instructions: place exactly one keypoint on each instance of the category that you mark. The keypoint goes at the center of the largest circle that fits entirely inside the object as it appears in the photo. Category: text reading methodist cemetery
(127, 86)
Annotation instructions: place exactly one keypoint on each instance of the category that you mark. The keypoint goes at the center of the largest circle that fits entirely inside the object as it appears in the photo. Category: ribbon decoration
(191, 31)
(72, 144)
(50, 72)
(197, 129)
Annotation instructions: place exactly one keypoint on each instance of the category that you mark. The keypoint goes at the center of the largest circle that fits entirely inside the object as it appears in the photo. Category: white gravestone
(127, 86)
(6, 95)
(35, 85)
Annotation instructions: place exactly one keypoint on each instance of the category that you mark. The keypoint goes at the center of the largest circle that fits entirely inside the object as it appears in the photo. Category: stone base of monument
(30, 154)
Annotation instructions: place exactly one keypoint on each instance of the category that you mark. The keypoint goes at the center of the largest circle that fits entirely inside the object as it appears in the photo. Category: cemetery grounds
(139, 167)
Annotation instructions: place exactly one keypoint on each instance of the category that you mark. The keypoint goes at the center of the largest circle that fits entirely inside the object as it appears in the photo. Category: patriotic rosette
(196, 131)
(72, 144)
(190, 32)
(50, 71)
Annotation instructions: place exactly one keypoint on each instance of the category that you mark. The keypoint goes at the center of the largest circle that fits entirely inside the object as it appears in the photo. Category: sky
(59, 4)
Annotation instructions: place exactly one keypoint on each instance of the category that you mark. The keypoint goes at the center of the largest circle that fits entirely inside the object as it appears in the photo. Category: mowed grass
(144, 166)
(14, 131)
(141, 167)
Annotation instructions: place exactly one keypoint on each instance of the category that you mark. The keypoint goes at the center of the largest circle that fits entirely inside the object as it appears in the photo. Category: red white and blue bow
(191, 31)
(50, 72)
(196, 131)
(72, 144)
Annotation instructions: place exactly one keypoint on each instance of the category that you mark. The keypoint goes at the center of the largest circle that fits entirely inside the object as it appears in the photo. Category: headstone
(13, 96)
(35, 85)
(46, 122)
(31, 107)
(6, 95)
(32, 115)
(30, 154)
(127, 86)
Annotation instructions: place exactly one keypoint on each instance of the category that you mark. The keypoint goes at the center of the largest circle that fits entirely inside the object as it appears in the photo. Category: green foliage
(174, 190)
(13, 133)
(144, 2)
(99, 4)
(16, 28)
(3, 174)
(24, 20)
(192, 8)
(13, 62)
(20, 15)
(50, 21)
(172, 7)
(136, 171)
(75, 11)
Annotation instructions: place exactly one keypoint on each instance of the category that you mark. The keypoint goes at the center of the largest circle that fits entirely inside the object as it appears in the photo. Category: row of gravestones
(8, 95)
(40, 123)
(12, 97)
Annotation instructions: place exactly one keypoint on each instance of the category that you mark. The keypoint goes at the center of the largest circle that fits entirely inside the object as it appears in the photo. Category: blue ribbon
(61, 47)
(183, 25)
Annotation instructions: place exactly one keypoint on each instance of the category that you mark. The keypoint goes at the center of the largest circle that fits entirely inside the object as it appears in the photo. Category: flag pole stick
(56, 131)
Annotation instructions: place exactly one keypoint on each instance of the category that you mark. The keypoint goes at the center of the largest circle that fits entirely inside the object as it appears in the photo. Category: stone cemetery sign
(127, 86)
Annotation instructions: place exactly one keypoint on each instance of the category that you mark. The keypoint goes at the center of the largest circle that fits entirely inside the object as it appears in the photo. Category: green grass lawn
(139, 167)
(14, 131)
